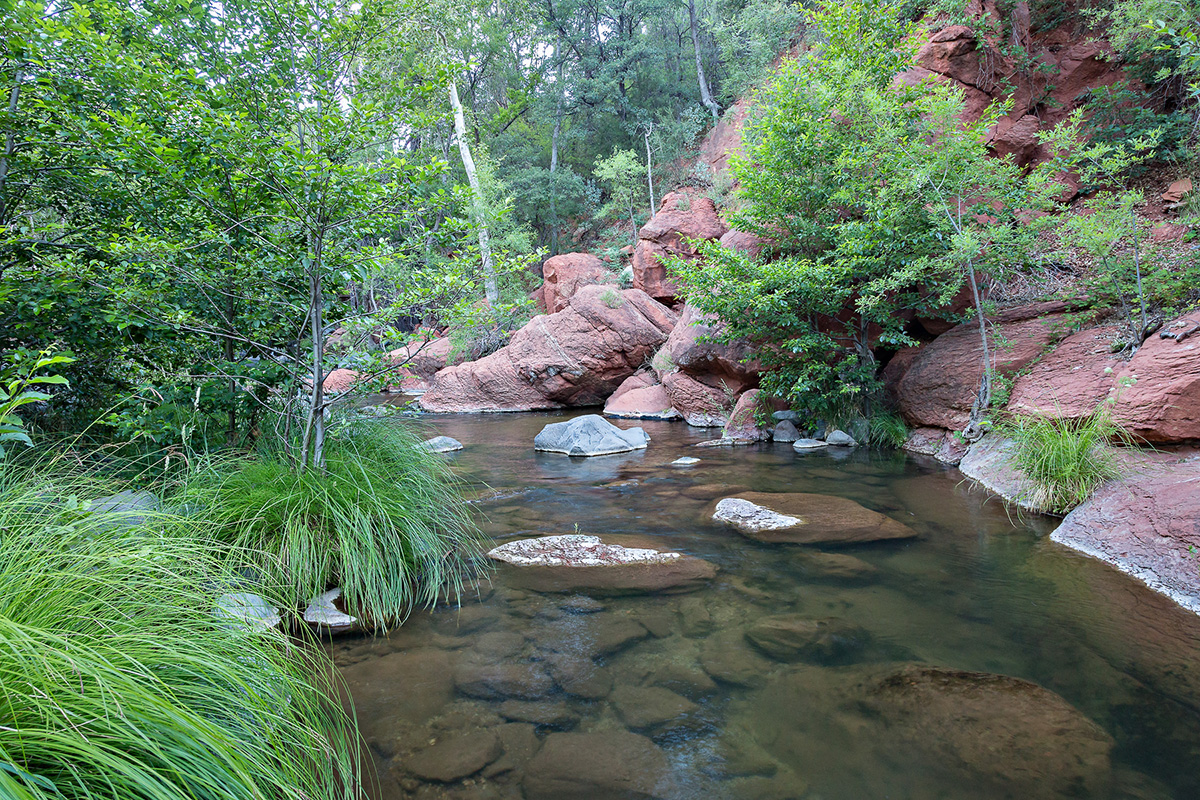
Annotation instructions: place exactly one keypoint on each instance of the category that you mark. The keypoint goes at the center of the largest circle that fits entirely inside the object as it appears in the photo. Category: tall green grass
(384, 520)
(1066, 459)
(117, 680)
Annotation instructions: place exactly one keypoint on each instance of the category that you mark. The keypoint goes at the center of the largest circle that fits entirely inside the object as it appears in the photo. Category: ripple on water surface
(978, 660)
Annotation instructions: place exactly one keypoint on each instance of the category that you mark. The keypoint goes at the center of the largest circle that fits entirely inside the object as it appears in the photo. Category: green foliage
(383, 520)
(117, 680)
(622, 174)
(750, 39)
(19, 371)
(888, 429)
(1066, 459)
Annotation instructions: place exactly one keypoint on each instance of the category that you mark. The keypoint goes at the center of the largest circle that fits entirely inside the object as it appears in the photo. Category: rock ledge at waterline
(614, 565)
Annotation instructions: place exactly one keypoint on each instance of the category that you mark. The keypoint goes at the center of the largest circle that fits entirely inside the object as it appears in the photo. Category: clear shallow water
(981, 590)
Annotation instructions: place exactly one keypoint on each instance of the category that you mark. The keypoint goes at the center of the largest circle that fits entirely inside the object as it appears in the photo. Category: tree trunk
(479, 211)
(705, 95)
(983, 398)
(650, 170)
(10, 143)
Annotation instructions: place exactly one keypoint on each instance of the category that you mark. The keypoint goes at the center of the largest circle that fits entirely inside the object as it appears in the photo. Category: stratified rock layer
(681, 218)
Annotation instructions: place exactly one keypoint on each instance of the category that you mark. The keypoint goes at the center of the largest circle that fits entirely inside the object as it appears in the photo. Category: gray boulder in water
(590, 435)
(442, 444)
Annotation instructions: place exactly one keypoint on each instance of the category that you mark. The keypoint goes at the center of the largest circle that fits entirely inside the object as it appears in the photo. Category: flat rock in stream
(614, 565)
(802, 518)
(589, 435)
(608, 765)
(501, 681)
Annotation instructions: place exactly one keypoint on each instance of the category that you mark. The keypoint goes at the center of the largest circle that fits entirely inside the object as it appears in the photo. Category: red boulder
(576, 357)
(682, 217)
(565, 274)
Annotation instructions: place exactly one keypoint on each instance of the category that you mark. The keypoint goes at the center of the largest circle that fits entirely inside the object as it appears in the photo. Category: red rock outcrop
(681, 217)
(1145, 525)
(576, 357)
(742, 424)
(703, 378)
(423, 358)
(1060, 68)
(565, 274)
(749, 244)
(698, 403)
(1161, 404)
(939, 388)
(339, 380)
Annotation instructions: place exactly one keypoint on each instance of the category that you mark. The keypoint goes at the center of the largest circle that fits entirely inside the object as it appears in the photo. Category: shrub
(118, 681)
(1066, 459)
(383, 520)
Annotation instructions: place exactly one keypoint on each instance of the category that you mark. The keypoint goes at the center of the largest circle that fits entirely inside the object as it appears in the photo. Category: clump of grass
(887, 429)
(118, 681)
(1066, 459)
(384, 520)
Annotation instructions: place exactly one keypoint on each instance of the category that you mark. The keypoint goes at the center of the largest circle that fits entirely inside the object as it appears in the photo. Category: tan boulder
(565, 274)
(802, 518)
(681, 217)
(576, 357)
(690, 348)
(340, 380)
(1177, 191)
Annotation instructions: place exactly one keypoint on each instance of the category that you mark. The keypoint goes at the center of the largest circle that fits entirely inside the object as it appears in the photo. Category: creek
(473, 702)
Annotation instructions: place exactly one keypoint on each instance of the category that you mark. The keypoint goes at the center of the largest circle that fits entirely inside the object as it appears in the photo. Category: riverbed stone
(612, 565)
(589, 435)
(838, 567)
(839, 438)
(805, 445)
(685, 461)
(501, 681)
(695, 618)
(540, 712)
(456, 757)
(326, 613)
(728, 659)
(520, 742)
(442, 444)
(711, 491)
(580, 676)
(653, 710)
(940, 729)
(791, 637)
(803, 518)
(608, 765)
(410, 686)
(785, 431)
(688, 679)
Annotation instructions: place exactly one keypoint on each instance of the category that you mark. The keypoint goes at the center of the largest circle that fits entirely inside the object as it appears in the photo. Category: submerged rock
(792, 638)
(653, 710)
(589, 435)
(685, 461)
(802, 518)
(455, 758)
(492, 681)
(936, 731)
(442, 444)
(609, 765)
(581, 563)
